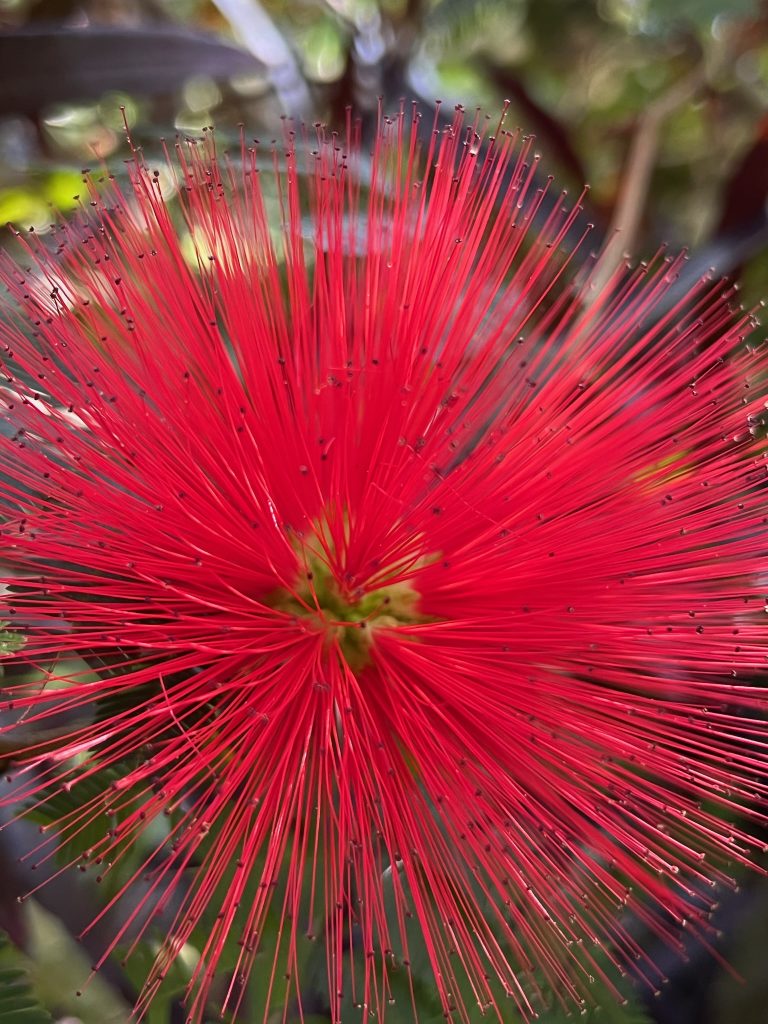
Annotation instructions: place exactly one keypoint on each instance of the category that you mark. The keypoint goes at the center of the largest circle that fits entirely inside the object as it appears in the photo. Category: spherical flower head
(413, 579)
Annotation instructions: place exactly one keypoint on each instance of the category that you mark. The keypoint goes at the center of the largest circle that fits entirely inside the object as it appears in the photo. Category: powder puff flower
(382, 575)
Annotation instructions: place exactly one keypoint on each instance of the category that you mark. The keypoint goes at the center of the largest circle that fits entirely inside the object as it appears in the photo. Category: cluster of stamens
(349, 617)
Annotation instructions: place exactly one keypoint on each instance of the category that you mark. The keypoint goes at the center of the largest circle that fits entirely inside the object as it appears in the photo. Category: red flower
(398, 555)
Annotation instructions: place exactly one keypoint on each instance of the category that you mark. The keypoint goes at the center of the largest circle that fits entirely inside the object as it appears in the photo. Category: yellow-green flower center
(348, 620)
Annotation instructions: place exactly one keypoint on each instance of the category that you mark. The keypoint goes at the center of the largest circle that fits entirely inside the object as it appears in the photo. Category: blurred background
(661, 106)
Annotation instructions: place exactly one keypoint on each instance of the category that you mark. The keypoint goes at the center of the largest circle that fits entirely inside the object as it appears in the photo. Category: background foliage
(660, 105)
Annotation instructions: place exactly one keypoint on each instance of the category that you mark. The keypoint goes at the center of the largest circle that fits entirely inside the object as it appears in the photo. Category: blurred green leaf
(60, 188)
(76, 819)
(17, 1003)
(21, 725)
(61, 975)
(698, 12)
(11, 641)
